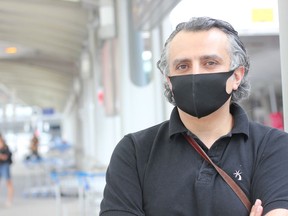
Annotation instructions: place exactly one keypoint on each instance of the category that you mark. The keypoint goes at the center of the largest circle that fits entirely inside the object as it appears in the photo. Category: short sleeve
(270, 180)
(122, 193)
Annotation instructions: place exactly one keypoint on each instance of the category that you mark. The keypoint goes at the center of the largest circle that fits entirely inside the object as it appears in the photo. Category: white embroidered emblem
(237, 175)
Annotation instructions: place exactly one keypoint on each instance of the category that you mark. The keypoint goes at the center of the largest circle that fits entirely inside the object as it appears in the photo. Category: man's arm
(123, 192)
(277, 212)
(269, 182)
(257, 210)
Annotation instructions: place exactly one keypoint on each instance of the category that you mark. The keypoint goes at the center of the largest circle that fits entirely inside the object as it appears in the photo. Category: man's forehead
(187, 33)
(207, 42)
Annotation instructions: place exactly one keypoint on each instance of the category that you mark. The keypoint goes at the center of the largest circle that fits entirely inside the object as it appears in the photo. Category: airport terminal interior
(77, 75)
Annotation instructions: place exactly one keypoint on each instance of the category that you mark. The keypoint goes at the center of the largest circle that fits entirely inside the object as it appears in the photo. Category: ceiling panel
(49, 36)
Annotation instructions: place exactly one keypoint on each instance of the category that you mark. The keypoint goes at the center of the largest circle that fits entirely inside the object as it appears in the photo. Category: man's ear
(238, 76)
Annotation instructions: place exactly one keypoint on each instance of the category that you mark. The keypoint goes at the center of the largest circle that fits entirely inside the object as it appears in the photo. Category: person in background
(34, 150)
(5, 172)
(157, 172)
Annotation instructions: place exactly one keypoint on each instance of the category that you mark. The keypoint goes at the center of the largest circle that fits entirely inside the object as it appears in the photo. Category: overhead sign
(262, 15)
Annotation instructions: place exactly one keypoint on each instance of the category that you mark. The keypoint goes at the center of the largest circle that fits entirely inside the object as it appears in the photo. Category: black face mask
(200, 94)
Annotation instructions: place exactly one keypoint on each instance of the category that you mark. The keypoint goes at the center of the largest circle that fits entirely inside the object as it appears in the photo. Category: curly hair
(237, 52)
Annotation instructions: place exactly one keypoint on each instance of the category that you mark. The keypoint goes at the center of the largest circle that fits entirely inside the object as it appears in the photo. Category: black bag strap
(242, 196)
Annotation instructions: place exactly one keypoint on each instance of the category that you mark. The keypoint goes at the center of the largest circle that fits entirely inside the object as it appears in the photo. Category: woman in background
(5, 163)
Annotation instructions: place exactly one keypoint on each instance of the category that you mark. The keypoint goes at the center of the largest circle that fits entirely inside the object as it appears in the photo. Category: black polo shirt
(156, 172)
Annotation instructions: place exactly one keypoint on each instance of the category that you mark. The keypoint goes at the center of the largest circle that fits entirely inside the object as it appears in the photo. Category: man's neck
(209, 128)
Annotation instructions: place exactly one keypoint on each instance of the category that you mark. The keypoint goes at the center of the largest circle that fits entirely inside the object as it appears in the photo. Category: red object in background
(100, 96)
(276, 120)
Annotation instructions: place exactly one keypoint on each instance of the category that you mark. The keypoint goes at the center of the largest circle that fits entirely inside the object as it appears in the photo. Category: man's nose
(196, 69)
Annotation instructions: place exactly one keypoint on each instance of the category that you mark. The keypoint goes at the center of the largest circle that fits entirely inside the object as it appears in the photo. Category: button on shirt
(156, 172)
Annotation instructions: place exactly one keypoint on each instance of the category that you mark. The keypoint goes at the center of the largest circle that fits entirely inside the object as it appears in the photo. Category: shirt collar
(241, 122)
(175, 124)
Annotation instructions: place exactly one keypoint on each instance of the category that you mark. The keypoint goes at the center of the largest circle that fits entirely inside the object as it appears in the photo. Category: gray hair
(238, 54)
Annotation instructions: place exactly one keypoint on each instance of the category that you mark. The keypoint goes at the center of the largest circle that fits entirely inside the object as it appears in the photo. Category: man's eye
(210, 63)
(182, 67)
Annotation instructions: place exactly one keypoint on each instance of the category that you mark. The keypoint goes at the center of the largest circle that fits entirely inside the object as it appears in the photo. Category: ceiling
(49, 36)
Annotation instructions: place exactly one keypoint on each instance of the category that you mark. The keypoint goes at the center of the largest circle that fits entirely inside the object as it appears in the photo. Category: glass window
(141, 58)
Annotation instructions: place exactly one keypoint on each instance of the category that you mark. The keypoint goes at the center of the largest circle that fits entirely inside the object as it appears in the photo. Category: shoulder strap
(242, 196)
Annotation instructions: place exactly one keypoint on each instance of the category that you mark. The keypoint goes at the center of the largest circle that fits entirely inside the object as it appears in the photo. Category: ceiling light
(10, 50)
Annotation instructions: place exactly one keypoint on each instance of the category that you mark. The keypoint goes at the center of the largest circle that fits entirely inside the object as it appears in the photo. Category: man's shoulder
(262, 127)
(143, 138)
(161, 129)
(141, 142)
(260, 130)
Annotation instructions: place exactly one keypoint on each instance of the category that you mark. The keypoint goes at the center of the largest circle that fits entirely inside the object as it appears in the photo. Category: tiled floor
(33, 200)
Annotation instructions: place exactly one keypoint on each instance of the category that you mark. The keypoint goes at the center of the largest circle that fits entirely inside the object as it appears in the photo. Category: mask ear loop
(239, 74)
(227, 81)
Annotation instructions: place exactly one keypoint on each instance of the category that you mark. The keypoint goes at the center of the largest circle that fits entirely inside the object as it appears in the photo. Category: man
(156, 172)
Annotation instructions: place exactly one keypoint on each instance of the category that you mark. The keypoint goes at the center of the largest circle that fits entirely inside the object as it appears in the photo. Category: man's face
(199, 52)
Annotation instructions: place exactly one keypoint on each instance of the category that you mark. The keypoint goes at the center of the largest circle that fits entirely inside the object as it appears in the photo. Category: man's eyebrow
(216, 57)
(177, 61)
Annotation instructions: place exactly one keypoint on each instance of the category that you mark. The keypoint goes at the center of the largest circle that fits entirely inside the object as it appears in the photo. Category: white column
(283, 34)
(123, 56)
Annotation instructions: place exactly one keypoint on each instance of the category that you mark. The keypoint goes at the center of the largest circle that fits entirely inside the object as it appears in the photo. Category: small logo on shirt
(237, 175)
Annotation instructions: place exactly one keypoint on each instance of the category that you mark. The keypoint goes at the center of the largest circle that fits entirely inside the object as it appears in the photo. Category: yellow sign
(262, 15)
